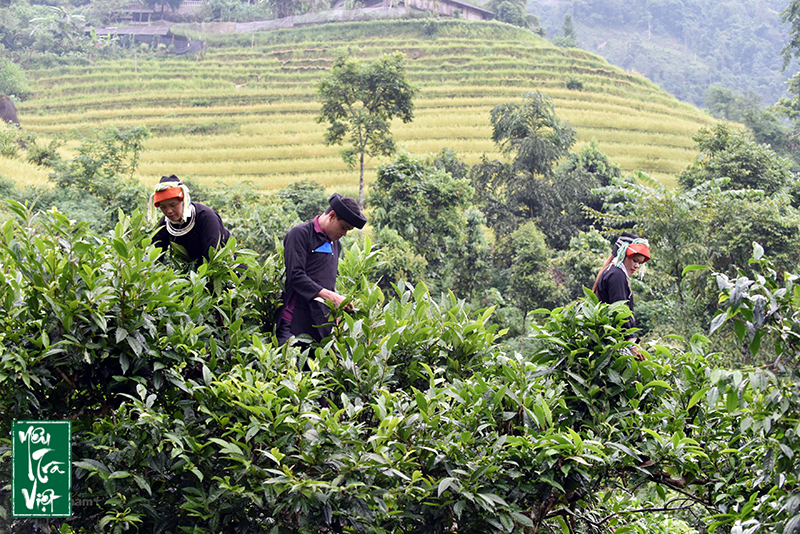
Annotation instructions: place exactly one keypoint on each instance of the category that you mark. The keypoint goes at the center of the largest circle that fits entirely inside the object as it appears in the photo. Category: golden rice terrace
(245, 109)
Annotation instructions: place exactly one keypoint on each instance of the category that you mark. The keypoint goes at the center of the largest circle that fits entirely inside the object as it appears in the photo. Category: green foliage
(568, 37)
(532, 187)
(431, 27)
(735, 222)
(765, 125)
(100, 316)
(574, 84)
(15, 140)
(410, 418)
(6, 187)
(489, 178)
(98, 182)
(685, 45)
(532, 283)
(47, 156)
(12, 139)
(399, 260)
(429, 209)
(568, 29)
(13, 81)
(576, 267)
(732, 154)
(306, 197)
(448, 161)
(260, 224)
(223, 10)
(110, 321)
(506, 315)
(104, 12)
(763, 302)
(103, 158)
(470, 256)
(60, 30)
(590, 160)
(791, 15)
(571, 191)
(361, 100)
(532, 134)
(514, 12)
(536, 140)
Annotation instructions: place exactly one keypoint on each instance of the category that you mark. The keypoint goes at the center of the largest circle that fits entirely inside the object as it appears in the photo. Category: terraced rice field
(245, 110)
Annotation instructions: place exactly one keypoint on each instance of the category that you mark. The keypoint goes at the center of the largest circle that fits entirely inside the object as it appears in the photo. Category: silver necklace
(177, 232)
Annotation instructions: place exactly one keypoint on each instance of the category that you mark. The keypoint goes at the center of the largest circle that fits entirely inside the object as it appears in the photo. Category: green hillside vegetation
(685, 46)
(245, 110)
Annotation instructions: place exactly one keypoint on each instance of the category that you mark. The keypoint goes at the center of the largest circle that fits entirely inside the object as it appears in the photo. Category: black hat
(343, 212)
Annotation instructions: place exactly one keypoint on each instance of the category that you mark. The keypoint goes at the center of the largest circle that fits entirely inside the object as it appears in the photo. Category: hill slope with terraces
(245, 109)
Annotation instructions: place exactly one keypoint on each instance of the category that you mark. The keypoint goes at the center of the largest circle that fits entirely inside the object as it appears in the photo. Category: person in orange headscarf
(613, 282)
(193, 226)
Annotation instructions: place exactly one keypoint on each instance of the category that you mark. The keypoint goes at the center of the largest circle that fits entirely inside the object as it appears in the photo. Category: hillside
(685, 46)
(245, 109)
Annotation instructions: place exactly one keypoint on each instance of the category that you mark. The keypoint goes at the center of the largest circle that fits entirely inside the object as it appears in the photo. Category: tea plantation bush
(412, 418)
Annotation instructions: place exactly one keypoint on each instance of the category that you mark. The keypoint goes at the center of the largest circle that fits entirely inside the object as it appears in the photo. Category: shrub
(574, 84)
(398, 261)
(12, 138)
(104, 157)
(13, 81)
(47, 156)
(410, 418)
(306, 197)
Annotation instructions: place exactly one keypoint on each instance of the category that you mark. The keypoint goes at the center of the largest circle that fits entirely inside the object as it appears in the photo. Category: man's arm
(295, 253)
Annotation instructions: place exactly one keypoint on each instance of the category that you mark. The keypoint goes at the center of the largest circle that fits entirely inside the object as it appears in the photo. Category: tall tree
(173, 4)
(745, 107)
(791, 15)
(361, 100)
(428, 208)
(536, 140)
(568, 37)
(568, 28)
(531, 282)
(59, 29)
(13, 80)
(282, 8)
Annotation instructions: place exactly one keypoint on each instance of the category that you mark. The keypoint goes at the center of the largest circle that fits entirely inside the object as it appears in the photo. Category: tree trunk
(361, 184)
